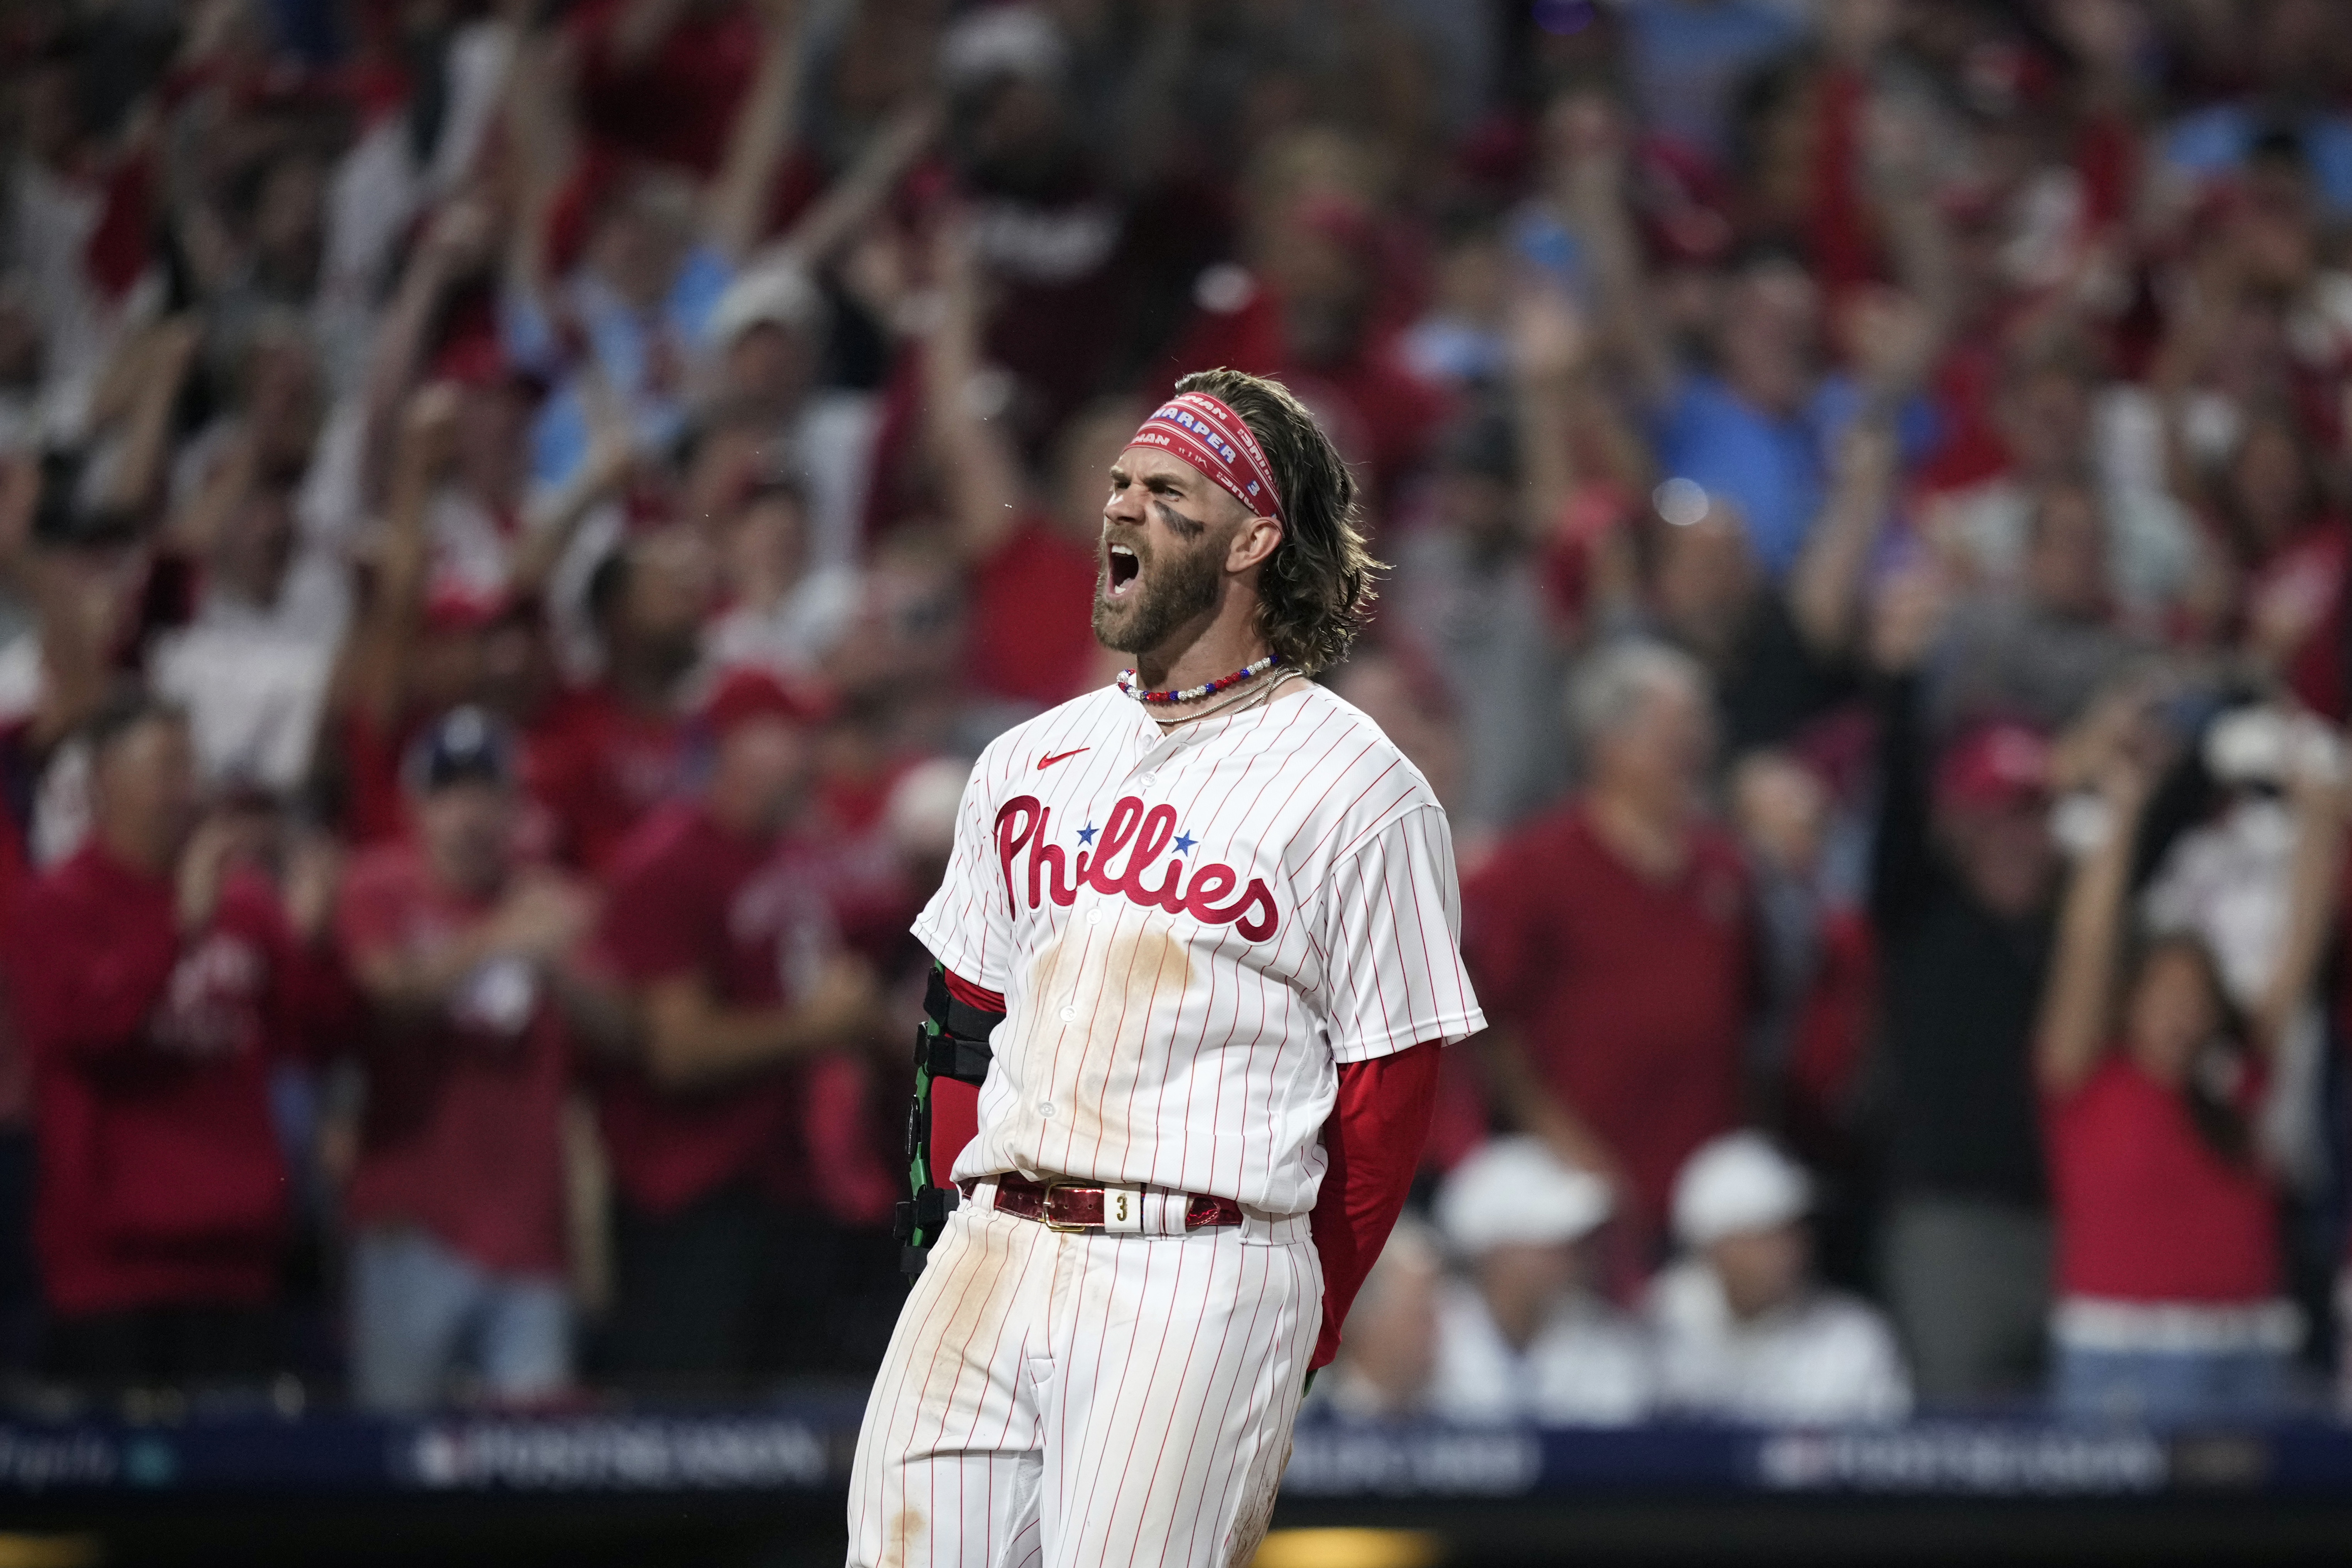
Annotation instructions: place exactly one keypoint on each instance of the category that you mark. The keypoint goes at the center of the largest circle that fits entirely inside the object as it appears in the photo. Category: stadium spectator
(1818, 972)
(2226, 881)
(2170, 1302)
(2038, 652)
(647, 254)
(722, 951)
(413, 650)
(609, 752)
(1469, 593)
(73, 577)
(1782, 652)
(1612, 941)
(1759, 425)
(84, 573)
(2055, 428)
(156, 976)
(1689, 58)
(1744, 1332)
(1032, 560)
(770, 327)
(1461, 341)
(1961, 880)
(1317, 307)
(1090, 262)
(457, 1199)
(2272, 55)
(788, 614)
(1526, 1337)
(2272, 509)
(253, 664)
(1778, 658)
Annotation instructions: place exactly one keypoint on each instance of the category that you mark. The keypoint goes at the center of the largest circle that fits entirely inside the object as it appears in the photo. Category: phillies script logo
(1143, 836)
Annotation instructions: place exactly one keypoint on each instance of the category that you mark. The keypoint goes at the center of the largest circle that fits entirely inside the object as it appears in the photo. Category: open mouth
(1124, 568)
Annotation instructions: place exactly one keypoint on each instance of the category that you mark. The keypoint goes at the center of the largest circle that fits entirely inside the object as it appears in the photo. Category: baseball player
(1197, 943)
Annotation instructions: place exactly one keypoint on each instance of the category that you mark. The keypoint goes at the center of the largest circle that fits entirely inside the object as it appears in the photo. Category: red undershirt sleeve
(955, 1107)
(974, 996)
(1373, 1144)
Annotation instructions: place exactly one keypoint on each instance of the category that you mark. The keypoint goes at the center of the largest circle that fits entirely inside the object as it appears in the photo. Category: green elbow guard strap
(952, 1043)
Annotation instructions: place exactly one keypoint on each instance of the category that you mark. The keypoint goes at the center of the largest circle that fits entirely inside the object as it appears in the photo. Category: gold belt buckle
(1045, 1209)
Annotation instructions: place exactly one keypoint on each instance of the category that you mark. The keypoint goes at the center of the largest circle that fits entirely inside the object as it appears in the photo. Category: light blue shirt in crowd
(2216, 140)
(622, 341)
(1776, 469)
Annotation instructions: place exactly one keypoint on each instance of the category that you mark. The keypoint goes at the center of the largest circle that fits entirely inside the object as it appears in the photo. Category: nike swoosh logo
(1045, 762)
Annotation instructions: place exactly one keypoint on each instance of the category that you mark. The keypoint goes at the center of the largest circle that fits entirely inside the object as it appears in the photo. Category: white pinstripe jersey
(1191, 931)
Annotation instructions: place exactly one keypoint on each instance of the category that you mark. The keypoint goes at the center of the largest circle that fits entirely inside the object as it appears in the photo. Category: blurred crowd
(516, 514)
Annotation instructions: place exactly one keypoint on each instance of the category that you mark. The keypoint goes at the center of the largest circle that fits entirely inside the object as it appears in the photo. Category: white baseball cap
(1515, 1190)
(774, 293)
(920, 816)
(1020, 41)
(1739, 1182)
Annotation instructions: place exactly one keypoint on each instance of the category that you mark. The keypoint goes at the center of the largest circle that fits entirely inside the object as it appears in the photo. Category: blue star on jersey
(1185, 843)
(1087, 834)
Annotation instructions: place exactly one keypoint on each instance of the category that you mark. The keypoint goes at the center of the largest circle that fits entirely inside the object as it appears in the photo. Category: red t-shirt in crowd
(686, 897)
(463, 1135)
(1832, 1021)
(677, 105)
(16, 877)
(159, 1178)
(375, 811)
(854, 1111)
(2148, 1210)
(1032, 635)
(1631, 995)
(2303, 584)
(599, 767)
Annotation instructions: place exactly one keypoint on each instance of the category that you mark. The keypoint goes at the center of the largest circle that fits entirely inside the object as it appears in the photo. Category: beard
(1165, 595)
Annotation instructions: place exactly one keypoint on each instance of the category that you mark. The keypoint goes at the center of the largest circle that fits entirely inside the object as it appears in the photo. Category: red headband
(1206, 432)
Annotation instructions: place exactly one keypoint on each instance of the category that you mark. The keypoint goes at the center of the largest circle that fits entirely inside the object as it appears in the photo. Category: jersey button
(1069, 1015)
(1045, 1109)
(1094, 918)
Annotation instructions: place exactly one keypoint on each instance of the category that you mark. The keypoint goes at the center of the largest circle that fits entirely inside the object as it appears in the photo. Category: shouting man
(1198, 943)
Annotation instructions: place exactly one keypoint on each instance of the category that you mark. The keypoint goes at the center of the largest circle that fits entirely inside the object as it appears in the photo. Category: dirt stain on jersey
(977, 1285)
(1052, 975)
(1257, 1514)
(1116, 984)
(1145, 970)
(905, 1530)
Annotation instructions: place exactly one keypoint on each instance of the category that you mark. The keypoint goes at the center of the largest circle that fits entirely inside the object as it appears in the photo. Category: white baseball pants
(1061, 1400)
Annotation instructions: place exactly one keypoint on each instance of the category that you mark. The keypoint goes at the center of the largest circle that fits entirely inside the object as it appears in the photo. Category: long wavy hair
(1316, 588)
(2212, 1087)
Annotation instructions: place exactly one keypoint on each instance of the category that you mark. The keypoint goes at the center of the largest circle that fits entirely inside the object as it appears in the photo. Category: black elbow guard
(952, 1041)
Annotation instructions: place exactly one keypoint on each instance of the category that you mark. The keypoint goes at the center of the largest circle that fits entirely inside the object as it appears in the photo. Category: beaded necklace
(1256, 696)
(1194, 694)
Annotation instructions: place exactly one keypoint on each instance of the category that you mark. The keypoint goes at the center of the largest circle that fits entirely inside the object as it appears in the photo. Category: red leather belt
(1068, 1208)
